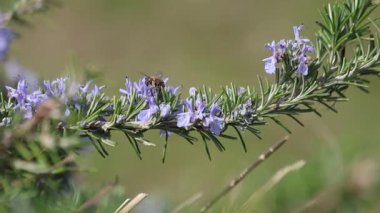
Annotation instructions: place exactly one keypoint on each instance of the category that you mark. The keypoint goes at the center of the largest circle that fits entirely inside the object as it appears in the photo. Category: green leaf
(206, 146)
(241, 138)
(134, 145)
(165, 147)
(108, 142)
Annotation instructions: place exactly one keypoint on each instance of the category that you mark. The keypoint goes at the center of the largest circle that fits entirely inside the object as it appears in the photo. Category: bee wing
(144, 74)
(159, 75)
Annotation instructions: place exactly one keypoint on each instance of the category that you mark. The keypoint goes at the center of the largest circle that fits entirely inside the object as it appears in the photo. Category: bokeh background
(210, 42)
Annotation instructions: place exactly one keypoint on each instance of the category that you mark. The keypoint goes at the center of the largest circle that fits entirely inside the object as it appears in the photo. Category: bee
(155, 83)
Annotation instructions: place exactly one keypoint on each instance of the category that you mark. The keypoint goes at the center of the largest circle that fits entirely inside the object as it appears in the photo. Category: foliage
(40, 129)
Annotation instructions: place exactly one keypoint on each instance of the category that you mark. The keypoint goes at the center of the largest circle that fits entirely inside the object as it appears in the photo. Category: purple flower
(172, 90)
(147, 114)
(128, 88)
(272, 47)
(84, 89)
(80, 95)
(141, 88)
(164, 110)
(25, 102)
(68, 94)
(6, 37)
(294, 50)
(297, 36)
(215, 110)
(282, 45)
(96, 90)
(302, 67)
(188, 103)
(270, 65)
(193, 114)
(277, 49)
(145, 90)
(214, 124)
(192, 91)
(56, 88)
(20, 93)
(36, 98)
(307, 49)
(184, 119)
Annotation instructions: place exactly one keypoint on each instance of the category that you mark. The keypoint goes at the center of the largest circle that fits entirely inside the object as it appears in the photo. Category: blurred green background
(209, 42)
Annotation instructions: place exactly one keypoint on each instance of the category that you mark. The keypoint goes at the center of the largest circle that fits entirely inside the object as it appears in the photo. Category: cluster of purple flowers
(26, 101)
(6, 37)
(146, 91)
(294, 50)
(197, 114)
(188, 113)
(192, 112)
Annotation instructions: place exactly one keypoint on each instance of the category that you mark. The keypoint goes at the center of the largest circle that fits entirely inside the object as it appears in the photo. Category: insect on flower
(155, 83)
(155, 80)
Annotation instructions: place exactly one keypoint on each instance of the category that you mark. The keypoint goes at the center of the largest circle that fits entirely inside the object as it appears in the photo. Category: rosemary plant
(307, 72)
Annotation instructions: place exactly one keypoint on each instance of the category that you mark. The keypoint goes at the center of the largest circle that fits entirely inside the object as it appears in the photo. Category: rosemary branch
(301, 81)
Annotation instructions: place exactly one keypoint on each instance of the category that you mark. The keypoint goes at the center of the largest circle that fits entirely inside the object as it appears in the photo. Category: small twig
(275, 179)
(100, 195)
(122, 205)
(132, 204)
(188, 202)
(246, 172)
